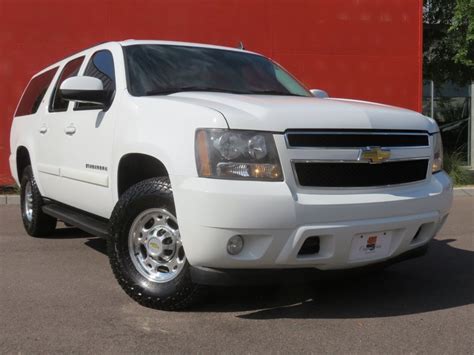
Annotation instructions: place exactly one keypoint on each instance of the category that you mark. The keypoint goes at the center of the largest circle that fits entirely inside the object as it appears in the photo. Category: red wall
(364, 49)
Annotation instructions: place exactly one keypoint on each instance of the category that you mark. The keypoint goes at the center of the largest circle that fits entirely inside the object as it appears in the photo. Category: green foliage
(453, 164)
(461, 33)
(9, 190)
(449, 40)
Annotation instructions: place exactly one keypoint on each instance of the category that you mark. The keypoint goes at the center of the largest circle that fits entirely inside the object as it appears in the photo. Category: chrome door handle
(70, 130)
(43, 129)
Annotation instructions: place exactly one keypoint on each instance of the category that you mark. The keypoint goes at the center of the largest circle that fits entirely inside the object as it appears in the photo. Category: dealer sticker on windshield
(370, 245)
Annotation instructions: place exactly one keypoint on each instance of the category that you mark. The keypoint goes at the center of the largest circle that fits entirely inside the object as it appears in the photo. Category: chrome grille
(358, 158)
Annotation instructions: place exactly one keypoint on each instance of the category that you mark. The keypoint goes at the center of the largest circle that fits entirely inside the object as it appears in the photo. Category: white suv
(210, 165)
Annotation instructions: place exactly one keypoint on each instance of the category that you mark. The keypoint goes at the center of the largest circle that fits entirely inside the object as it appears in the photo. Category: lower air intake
(310, 246)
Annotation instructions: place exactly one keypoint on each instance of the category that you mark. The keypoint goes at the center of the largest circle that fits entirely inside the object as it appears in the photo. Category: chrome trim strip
(335, 132)
(355, 161)
(394, 133)
(381, 147)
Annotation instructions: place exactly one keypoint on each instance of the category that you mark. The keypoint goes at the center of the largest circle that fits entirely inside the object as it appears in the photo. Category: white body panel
(279, 113)
(276, 222)
(273, 217)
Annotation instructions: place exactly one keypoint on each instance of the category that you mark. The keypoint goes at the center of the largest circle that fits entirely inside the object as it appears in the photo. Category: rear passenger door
(86, 141)
(32, 109)
(51, 152)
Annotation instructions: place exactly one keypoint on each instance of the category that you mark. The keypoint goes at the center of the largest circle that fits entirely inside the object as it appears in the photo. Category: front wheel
(145, 248)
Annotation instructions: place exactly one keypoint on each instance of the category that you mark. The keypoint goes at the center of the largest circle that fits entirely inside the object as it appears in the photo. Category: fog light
(235, 245)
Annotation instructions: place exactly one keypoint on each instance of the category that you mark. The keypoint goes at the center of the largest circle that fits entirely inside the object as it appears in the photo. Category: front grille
(336, 174)
(356, 139)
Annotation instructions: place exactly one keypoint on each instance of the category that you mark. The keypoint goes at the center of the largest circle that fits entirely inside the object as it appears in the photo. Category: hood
(279, 113)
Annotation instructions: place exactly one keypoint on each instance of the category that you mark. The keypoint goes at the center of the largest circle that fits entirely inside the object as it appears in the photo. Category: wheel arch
(136, 167)
(23, 159)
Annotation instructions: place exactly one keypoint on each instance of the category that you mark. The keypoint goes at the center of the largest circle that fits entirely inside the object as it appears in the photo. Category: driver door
(87, 141)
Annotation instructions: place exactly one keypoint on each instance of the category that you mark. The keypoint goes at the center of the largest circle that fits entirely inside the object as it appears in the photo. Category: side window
(34, 93)
(57, 103)
(100, 66)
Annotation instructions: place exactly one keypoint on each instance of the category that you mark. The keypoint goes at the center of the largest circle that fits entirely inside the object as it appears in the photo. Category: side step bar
(82, 220)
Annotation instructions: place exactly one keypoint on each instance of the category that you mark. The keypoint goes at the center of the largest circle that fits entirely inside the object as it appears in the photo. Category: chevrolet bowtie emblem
(374, 155)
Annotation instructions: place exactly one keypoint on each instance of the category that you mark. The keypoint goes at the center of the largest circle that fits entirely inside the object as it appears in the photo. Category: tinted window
(100, 66)
(34, 93)
(70, 69)
(164, 69)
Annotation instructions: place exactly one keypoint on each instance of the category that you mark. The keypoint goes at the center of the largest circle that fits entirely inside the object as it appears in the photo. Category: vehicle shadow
(67, 233)
(444, 278)
(96, 243)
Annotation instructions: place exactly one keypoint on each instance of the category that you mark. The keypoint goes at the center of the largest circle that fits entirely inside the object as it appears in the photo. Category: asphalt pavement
(58, 295)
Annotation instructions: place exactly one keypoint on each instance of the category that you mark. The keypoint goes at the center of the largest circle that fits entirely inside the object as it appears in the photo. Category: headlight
(437, 153)
(230, 154)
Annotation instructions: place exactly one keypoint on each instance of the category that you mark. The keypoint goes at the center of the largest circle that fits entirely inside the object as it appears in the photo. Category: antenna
(241, 45)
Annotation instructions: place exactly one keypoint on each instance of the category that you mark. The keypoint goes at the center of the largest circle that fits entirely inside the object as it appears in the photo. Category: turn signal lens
(256, 171)
(202, 154)
(437, 153)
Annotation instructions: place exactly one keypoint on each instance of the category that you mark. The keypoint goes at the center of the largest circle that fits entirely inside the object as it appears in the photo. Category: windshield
(166, 69)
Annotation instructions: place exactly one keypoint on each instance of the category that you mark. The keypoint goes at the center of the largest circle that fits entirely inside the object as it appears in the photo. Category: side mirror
(84, 89)
(321, 94)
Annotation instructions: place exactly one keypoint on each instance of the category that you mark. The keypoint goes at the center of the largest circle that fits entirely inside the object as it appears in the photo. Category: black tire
(37, 223)
(175, 294)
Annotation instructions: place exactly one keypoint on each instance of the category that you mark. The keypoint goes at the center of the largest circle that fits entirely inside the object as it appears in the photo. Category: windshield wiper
(190, 88)
(273, 92)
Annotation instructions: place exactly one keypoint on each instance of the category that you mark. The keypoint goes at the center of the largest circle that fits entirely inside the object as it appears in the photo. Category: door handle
(43, 129)
(70, 130)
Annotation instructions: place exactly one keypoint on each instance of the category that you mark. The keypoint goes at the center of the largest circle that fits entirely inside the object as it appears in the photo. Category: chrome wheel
(155, 245)
(28, 202)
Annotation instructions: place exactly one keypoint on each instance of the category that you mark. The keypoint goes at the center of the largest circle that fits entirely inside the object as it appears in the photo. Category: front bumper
(234, 277)
(275, 220)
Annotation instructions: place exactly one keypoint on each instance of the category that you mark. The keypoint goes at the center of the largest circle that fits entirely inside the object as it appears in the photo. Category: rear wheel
(145, 248)
(37, 223)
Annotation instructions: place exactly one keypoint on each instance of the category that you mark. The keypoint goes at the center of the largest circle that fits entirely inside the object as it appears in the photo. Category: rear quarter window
(34, 93)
